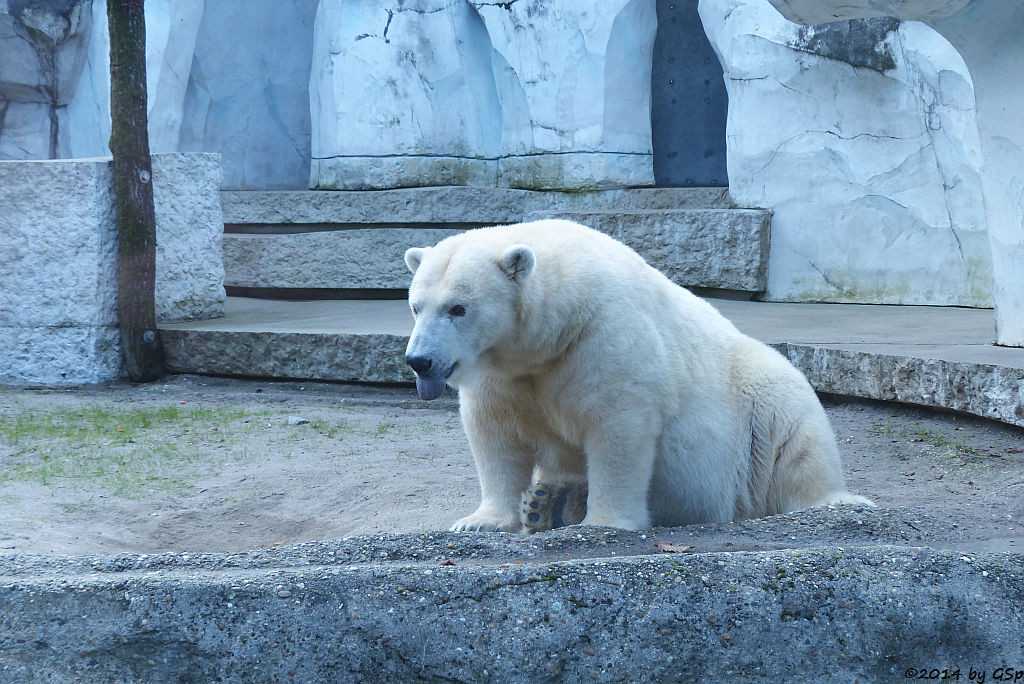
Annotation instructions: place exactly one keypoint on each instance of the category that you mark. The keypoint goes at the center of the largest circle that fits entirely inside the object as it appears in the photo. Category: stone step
(724, 249)
(245, 210)
(343, 243)
(708, 248)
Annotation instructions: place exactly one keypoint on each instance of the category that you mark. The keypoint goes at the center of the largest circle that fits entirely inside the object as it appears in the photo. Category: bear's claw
(471, 524)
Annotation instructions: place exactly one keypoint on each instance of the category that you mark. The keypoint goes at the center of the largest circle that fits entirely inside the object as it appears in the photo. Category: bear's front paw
(486, 523)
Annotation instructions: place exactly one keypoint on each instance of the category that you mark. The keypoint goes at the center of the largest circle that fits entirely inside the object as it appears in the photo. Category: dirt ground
(196, 464)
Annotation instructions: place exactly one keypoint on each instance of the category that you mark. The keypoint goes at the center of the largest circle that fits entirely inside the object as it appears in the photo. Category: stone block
(714, 248)
(356, 239)
(57, 227)
(403, 206)
(189, 225)
(59, 355)
(59, 313)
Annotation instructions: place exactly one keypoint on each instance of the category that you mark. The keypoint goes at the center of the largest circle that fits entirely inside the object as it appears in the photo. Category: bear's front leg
(620, 464)
(504, 466)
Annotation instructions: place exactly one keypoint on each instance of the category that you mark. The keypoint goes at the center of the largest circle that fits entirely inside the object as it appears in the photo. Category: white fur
(578, 359)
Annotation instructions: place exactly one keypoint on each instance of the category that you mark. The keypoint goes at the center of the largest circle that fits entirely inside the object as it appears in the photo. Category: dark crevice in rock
(859, 42)
(46, 25)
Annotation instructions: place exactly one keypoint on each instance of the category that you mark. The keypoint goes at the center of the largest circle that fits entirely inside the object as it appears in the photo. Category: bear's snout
(420, 364)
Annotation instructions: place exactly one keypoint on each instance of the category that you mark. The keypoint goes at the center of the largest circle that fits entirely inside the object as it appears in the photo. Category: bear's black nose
(420, 364)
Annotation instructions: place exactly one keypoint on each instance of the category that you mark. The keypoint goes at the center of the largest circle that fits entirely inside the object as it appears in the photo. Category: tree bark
(133, 189)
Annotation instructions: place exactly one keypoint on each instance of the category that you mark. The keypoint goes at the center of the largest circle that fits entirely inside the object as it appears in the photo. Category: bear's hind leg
(808, 471)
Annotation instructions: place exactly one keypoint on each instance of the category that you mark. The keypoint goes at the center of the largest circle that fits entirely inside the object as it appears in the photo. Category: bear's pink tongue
(429, 388)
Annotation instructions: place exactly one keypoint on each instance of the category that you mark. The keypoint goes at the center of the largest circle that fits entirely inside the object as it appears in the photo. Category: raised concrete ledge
(574, 604)
(305, 356)
(875, 352)
(476, 206)
(873, 371)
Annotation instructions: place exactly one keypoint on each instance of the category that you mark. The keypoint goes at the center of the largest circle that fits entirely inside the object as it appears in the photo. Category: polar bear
(578, 363)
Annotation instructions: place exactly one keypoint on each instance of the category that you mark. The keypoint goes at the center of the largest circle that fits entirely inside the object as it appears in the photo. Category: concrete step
(710, 248)
(446, 205)
(343, 243)
(723, 249)
(876, 352)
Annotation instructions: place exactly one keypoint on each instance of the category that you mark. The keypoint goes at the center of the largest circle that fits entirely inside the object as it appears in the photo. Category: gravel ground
(195, 464)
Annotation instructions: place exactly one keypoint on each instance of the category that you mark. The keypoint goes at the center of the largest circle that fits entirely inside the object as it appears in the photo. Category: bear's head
(464, 297)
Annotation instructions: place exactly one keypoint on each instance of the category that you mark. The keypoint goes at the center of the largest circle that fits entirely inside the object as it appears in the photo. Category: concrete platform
(931, 356)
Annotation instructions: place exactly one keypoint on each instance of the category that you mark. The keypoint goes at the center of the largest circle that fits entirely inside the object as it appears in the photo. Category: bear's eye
(415, 311)
(457, 311)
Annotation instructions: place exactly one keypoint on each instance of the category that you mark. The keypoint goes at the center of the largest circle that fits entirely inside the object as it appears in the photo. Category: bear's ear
(414, 256)
(517, 262)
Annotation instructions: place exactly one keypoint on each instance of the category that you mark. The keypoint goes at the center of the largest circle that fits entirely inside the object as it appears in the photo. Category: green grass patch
(331, 429)
(127, 452)
(382, 429)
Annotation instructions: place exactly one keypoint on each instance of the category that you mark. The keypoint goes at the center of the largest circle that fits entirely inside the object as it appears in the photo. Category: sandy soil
(203, 464)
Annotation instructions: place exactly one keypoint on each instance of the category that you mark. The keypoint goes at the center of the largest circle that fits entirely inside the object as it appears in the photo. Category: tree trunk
(133, 190)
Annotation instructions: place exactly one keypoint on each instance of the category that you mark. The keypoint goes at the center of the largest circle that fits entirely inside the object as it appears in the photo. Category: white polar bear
(575, 359)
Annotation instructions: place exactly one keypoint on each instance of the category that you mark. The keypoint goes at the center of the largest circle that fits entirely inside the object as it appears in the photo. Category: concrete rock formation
(43, 48)
(217, 78)
(986, 33)
(509, 94)
(248, 91)
(574, 85)
(861, 138)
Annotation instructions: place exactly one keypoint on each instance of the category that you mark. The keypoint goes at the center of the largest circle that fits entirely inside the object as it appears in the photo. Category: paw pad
(549, 506)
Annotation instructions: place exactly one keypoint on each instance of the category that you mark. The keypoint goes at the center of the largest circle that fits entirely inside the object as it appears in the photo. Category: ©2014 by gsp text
(971, 674)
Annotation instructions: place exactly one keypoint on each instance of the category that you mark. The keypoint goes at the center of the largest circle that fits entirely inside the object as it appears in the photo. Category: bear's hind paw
(547, 506)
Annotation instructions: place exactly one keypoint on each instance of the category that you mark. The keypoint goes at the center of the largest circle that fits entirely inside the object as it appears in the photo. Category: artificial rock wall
(987, 34)
(226, 77)
(526, 94)
(354, 94)
(861, 137)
